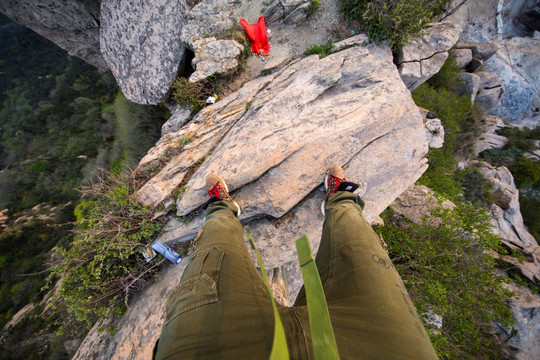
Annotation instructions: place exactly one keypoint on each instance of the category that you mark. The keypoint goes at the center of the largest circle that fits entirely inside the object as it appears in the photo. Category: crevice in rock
(365, 146)
(420, 60)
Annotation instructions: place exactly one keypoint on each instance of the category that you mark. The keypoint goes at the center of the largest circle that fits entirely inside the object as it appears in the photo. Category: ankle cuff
(347, 186)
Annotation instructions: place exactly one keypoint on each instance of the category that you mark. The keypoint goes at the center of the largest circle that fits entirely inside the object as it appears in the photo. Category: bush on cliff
(446, 272)
(394, 20)
(103, 265)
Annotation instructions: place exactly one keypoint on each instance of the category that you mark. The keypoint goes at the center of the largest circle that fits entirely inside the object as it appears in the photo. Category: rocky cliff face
(72, 25)
(272, 140)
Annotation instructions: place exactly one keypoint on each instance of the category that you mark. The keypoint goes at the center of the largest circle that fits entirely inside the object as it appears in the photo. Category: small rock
(214, 57)
(474, 65)
(489, 98)
(176, 121)
(434, 129)
(463, 57)
(488, 80)
(425, 55)
(469, 86)
(481, 51)
(507, 223)
(298, 15)
(489, 139)
(417, 202)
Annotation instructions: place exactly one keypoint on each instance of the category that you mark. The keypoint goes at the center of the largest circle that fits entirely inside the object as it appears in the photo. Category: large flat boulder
(313, 113)
(141, 44)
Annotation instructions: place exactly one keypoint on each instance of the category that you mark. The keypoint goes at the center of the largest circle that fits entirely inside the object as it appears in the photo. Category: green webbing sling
(279, 347)
(322, 334)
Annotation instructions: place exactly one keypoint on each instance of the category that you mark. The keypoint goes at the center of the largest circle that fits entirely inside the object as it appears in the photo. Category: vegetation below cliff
(61, 121)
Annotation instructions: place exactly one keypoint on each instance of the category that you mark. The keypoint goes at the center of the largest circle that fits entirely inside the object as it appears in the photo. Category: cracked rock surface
(280, 132)
(426, 54)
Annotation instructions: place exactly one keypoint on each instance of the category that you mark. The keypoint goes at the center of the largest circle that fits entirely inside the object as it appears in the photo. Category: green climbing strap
(279, 347)
(322, 334)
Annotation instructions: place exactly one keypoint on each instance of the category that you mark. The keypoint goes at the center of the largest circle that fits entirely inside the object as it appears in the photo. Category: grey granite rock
(488, 80)
(516, 63)
(417, 202)
(214, 57)
(179, 117)
(72, 25)
(206, 18)
(141, 44)
(489, 98)
(508, 222)
(489, 139)
(481, 51)
(426, 54)
(469, 86)
(290, 11)
(463, 57)
(434, 129)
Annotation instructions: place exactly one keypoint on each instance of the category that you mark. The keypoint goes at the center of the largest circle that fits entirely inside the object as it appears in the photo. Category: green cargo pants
(221, 309)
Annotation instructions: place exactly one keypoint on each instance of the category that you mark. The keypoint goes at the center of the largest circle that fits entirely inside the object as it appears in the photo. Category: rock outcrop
(72, 25)
(142, 46)
(506, 215)
(434, 129)
(214, 56)
(516, 63)
(489, 139)
(489, 91)
(139, 329)
(286, 127)
(426, 54)
(417, 203)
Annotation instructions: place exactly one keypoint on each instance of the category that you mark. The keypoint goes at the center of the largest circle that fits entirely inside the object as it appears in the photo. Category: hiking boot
(218, 190)
(334, 180)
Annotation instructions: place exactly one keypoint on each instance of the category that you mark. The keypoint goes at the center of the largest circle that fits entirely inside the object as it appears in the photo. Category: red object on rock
(257, 35)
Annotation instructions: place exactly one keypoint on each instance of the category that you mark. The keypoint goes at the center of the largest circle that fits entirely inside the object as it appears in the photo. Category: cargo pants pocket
(199, 286)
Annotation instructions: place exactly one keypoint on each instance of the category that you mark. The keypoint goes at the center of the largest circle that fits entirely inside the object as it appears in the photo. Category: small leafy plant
(322, 50)
(312, 8)
(189, 94)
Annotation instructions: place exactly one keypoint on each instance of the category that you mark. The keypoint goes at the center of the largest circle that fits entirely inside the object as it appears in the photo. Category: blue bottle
(165, 250)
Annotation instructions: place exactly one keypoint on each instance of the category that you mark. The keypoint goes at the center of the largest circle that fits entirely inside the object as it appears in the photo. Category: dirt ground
(289, 41)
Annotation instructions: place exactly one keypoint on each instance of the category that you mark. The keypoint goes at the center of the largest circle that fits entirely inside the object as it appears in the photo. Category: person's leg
(221, 308)
(371, 313)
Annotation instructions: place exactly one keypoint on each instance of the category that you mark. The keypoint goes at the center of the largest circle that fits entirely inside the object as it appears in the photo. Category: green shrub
(183, 141)
(445, 270)
(322, 50)
(476, 188)
(188, 94)
(526, 172)
(395, 20)
(448, 76)
(530, 209)
(312, 8)
(454, 111)
(103, 266)
(38, 167)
